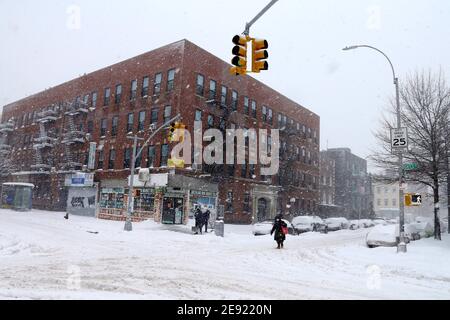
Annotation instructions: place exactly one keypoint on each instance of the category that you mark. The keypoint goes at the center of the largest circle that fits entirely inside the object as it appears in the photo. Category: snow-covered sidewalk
(44, 256)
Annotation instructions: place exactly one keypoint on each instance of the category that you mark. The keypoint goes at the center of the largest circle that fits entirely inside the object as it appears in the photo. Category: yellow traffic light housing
(259, 54)
(408, 199)
(240, 53)
(175, 163)
(176, 132)
(171, 132)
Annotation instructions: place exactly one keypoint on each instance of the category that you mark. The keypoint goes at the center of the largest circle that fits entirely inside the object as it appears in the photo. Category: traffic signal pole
(134, 156)
(259, 15)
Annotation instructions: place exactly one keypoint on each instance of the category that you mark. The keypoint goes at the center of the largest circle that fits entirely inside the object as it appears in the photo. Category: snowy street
(42, 256)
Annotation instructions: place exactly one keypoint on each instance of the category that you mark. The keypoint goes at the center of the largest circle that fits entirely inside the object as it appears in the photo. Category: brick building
(54, 128)
(352, 184)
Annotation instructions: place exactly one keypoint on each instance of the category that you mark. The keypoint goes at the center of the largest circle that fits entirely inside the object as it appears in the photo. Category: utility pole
(134, 156)
(259, 15)
(401, 247)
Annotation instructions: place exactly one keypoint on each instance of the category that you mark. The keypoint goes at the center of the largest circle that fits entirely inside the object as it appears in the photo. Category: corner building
(52, 132)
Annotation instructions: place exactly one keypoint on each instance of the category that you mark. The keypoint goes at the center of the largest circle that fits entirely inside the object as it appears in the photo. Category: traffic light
(416, 200)
(240, 53)
(259, 54)
(176, 132)
(412, 200)
(408, 199)
(171, 131)
(175, 163)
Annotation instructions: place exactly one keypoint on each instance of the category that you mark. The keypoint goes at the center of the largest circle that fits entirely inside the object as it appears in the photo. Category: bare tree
(425, 103)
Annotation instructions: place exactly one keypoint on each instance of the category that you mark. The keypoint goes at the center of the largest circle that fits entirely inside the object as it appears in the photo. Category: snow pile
(43, 256)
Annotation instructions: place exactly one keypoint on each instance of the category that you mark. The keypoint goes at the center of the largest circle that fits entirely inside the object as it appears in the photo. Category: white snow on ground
(42, 256)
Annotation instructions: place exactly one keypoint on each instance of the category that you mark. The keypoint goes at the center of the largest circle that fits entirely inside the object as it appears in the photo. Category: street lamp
(401, 247)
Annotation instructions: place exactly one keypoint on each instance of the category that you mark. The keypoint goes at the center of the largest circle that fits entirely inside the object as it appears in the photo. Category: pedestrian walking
(280, 229)
(206, 217)
(198, 220)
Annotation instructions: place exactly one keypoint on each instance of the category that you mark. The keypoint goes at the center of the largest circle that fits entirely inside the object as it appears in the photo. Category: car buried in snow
(307, 223)
(264, 227)
(334, 224)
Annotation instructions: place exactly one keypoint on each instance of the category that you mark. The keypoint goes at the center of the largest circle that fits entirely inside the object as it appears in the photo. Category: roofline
(88, 74)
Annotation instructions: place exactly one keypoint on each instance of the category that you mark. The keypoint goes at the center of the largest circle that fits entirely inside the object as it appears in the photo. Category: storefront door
(172, 210)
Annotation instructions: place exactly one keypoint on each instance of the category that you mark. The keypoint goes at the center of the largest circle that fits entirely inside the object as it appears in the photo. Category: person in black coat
(277, 228)
(198, 220)
(206, 217)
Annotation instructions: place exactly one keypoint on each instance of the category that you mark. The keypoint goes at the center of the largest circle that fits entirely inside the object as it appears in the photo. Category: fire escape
(45, 142)
(223, 112)
(73, 136)
(5, 149)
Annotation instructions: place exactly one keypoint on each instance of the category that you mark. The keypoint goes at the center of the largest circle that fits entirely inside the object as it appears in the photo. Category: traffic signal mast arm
(259, 15)
(155, 132)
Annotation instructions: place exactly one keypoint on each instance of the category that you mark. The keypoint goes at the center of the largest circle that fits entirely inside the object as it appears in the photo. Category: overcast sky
(46, 43)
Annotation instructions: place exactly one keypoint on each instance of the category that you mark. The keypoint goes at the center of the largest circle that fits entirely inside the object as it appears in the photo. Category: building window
(200, 85)
(378, 202)
(130, 122)
(254, 109)
(229, 201)
(151, 154)
(103, 128)
(164, 154)
(118, 93)
(210, 121)
(112, 158)
(223, 96)
(90, 126)
(141, 122)
(386, 202)
(101, 158)
(115, 122)
(246, 206)
(170, 79)
(94, 99)
(133, 89)
(198, 115)
(157, 85)
(154, 117)
(270, 116)
(234, 100)
(107, 96)
(86, 100)
(145, 83)
(264, 113)
(212, 89)
(127, 158)
(246, 109)
(243, 170)
(252, 171)
(167, 113)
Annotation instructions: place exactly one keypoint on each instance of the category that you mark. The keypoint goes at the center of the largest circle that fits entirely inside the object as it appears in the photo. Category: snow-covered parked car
(354, 224)
(264, 227)
(386, 235)
(307, 223)
(425, 229)
(378, 221)
(334, 224)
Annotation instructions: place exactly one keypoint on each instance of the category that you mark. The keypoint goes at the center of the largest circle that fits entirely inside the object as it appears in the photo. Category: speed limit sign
(399, 140)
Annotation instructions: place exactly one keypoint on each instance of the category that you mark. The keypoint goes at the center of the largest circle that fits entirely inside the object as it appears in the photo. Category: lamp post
(401, 247)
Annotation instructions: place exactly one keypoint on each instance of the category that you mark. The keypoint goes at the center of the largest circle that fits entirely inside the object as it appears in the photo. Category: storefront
(169, 199)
